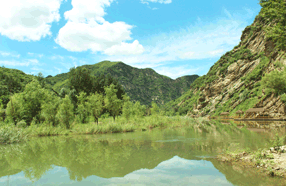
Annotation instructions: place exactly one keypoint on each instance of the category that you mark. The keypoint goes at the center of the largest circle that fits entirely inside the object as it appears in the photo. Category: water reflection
(158, 157)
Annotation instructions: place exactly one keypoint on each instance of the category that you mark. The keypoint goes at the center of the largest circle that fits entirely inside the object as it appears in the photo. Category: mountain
(144, 85)
(234, 82)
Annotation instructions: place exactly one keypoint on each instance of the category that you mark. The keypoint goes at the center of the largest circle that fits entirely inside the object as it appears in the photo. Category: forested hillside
(144, 85)
(12, 81)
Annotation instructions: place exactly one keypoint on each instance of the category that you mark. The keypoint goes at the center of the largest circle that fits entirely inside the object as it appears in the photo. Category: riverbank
(10, 133)
(269, 162)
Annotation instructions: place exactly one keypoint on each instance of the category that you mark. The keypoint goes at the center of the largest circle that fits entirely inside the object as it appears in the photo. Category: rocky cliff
(234, 81)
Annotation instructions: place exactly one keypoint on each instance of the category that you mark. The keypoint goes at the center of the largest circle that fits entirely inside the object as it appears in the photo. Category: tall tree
(127, 107)
(154, 109)
(65, 112)
(112, 103)
(95, 105)
(82, 110)
(81, 80)
(138, 109)
(50, 108)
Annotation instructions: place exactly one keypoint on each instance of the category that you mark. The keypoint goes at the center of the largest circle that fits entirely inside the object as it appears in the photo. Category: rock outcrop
(234, 82)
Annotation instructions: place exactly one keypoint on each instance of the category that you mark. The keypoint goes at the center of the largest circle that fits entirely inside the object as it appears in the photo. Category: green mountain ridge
(144, 85)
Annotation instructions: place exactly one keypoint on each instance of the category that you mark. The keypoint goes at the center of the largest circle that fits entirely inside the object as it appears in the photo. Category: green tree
(154, 109)
(2, 111)
(275, 82)
(27, 105)
(82, 110)
(112, 103)
(127, 107)
(33, 98)
(14, 110)
(49, 110)
(138, 109)
(81, 80)
(65, 113)
(95, 105)
(41, 79)
(63, 92)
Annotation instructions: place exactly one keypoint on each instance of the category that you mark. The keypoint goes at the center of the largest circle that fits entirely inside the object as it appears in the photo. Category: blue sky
(173, 37)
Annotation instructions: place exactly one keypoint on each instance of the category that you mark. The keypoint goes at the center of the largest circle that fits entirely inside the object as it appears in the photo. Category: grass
(13, 134)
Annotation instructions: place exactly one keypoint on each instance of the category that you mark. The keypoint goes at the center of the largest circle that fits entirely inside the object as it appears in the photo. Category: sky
(173, 37)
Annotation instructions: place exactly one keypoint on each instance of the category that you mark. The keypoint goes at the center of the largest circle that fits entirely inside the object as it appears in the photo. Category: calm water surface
(182, 156)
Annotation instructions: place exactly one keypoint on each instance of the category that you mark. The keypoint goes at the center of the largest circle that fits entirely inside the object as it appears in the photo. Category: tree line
(87, 97)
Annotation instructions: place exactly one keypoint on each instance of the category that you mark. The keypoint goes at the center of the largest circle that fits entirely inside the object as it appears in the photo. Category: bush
(9, 134)
(275, 82)
(22, 124)
(283, 98)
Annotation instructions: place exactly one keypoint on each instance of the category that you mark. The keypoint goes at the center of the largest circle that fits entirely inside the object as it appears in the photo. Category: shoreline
(10, 133)
(270, 162)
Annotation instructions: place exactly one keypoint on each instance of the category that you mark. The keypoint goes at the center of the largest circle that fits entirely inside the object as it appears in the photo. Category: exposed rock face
(220, 91)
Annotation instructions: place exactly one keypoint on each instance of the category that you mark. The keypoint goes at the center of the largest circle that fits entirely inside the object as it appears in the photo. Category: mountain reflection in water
(160, 157)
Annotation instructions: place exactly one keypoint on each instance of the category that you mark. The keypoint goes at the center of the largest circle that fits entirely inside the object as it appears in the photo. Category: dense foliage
(274, 82)
(274, 11)
(12, 81)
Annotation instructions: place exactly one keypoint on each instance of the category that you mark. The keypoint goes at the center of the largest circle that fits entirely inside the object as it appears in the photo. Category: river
(181, 156)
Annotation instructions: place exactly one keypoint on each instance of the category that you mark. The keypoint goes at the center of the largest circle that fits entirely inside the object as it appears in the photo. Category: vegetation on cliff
(250, 75)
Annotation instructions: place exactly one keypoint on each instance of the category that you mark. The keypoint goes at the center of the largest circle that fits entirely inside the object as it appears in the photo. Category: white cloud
(156, 1)
(86, 10)
(125, 49)
(72, 58)
(86, 29)
(227, 13)
(177, 71)
(17, 63)
(54, 57)
(202, 40)
(216, 52)
(36, 55)
(96, 37)
(8, 54)
(28, 20)
(59, 69)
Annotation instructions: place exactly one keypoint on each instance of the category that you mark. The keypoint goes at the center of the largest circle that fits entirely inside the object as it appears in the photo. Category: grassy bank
(10, 133)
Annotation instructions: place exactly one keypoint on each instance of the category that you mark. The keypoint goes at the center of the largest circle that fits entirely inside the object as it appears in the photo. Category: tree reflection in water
(117, 155)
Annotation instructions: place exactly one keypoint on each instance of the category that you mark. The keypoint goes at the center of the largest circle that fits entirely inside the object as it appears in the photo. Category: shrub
(277, 142)
(283, 98)
(275, 82)
(22, 124)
